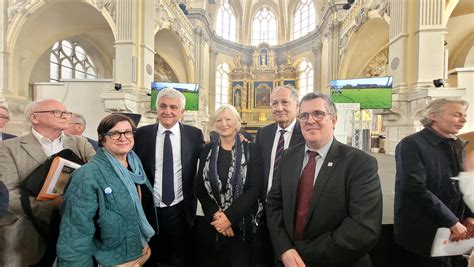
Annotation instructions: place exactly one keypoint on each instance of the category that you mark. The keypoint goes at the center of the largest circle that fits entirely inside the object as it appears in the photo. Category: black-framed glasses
(56, 113)
(317, 115)
(115, 135)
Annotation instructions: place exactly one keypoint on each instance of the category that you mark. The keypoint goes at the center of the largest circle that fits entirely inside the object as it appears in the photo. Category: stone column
(416, 58)
(126, 45)
(212, 79)
(317, 50)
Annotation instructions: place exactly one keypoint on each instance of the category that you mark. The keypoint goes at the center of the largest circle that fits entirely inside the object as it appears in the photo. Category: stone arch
(373, 33)
(169, 46)
(35, 29)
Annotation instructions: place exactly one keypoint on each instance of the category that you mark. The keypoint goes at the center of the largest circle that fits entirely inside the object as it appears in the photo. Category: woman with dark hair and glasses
(228, 185)
(103, 219)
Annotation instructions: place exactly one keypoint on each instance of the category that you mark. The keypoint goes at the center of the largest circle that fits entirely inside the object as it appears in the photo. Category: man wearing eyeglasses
(22, 244)
(325, 205)
(274, 139)
(5, 116)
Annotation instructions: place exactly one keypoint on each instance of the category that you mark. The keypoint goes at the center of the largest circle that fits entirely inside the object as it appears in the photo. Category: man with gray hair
(274, 139)
(426, 198)
(5, 116)
(77, 126)
(22, 244)
(169, 151)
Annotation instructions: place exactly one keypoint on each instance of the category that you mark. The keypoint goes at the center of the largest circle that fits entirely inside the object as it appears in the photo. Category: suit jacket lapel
(323, 176)
(185, 148)
(33, 148)
(296, 136)
(290, 189)
(268, 154)
(150, 153)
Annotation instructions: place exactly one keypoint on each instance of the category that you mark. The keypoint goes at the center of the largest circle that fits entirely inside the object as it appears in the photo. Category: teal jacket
(98, 218)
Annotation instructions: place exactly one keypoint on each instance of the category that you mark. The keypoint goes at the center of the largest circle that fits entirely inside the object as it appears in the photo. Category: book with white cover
(57, 178)
(442, 246)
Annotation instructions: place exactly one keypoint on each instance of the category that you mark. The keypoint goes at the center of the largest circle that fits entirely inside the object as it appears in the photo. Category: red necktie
(305, 190)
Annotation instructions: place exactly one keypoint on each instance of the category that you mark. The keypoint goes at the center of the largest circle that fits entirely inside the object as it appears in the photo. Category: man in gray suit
(21, 244)
(325, 205)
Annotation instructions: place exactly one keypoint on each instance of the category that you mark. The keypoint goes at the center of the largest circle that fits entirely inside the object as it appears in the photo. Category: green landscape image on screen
(190, 92)
(371, 93)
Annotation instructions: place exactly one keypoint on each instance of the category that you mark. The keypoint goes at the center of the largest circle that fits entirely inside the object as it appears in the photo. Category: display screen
(189, 90)
(371, 93)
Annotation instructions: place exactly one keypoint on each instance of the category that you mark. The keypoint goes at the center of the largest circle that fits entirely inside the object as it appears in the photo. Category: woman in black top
(228, 185)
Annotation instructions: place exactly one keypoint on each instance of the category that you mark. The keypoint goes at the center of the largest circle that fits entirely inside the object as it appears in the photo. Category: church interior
(103, 56)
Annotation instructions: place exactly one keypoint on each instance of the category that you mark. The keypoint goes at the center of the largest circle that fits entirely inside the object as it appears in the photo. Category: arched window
(304, 19)
(222, 84)
(68, 60)
(264, 27)
(306, 79)
(226, 22)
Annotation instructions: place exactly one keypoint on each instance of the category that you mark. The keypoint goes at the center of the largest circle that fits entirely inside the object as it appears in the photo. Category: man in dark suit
(169, 152)
(425, 196)
(77, 126)
(273, 139)
(325, 204)
(5, 116)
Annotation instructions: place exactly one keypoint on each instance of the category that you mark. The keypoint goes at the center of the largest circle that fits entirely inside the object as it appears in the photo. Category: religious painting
(262, 93)
(290, 82)
(237, 97)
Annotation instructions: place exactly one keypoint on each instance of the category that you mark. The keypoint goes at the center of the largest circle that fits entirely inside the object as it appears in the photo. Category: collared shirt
(287, 138)
(49, 147)
(323, 152)
(175, 138)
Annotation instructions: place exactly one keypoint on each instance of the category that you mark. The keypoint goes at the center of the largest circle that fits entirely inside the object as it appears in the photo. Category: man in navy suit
(77, 126)
(5, 115)
(284, 103)
(325, 205)
(169, 152)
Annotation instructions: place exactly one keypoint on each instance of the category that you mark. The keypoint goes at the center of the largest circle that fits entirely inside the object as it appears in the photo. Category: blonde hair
(232, 110)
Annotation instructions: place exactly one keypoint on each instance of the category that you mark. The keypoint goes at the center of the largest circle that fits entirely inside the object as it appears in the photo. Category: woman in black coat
(228, 185)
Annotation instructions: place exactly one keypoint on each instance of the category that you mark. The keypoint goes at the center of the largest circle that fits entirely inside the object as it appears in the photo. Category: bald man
(21, 243)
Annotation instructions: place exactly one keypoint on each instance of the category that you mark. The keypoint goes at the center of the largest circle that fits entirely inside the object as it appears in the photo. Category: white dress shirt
(323, 152)
(287, 138)
(49, 147)
(175, 138)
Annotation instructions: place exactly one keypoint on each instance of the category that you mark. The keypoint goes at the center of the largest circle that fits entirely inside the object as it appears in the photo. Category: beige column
(4, 57)
(317, 63)
(126, 45)
(212, 79)
(146, 59)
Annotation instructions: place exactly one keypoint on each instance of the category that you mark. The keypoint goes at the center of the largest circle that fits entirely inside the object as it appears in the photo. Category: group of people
(158, 195)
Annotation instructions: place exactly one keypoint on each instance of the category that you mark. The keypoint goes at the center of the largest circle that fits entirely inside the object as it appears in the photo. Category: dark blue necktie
(167, 196)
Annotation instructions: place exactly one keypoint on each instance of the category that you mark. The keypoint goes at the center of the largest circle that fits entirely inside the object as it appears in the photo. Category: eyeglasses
(317, 115)
(116, 135)
(4, 118)
(56, 113)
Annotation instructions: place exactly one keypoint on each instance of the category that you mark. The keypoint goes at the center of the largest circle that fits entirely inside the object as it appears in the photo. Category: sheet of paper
(443, 247)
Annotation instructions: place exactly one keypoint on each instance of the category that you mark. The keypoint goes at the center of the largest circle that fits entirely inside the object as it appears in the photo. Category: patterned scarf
(235, 183)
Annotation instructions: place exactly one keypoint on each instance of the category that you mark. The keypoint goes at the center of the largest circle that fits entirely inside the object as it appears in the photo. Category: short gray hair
(293, 92)
(7, 110)
(78, 118)
(31, 107)
(437, 106)
(171, 93)
(330, 106)
(232, 110)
